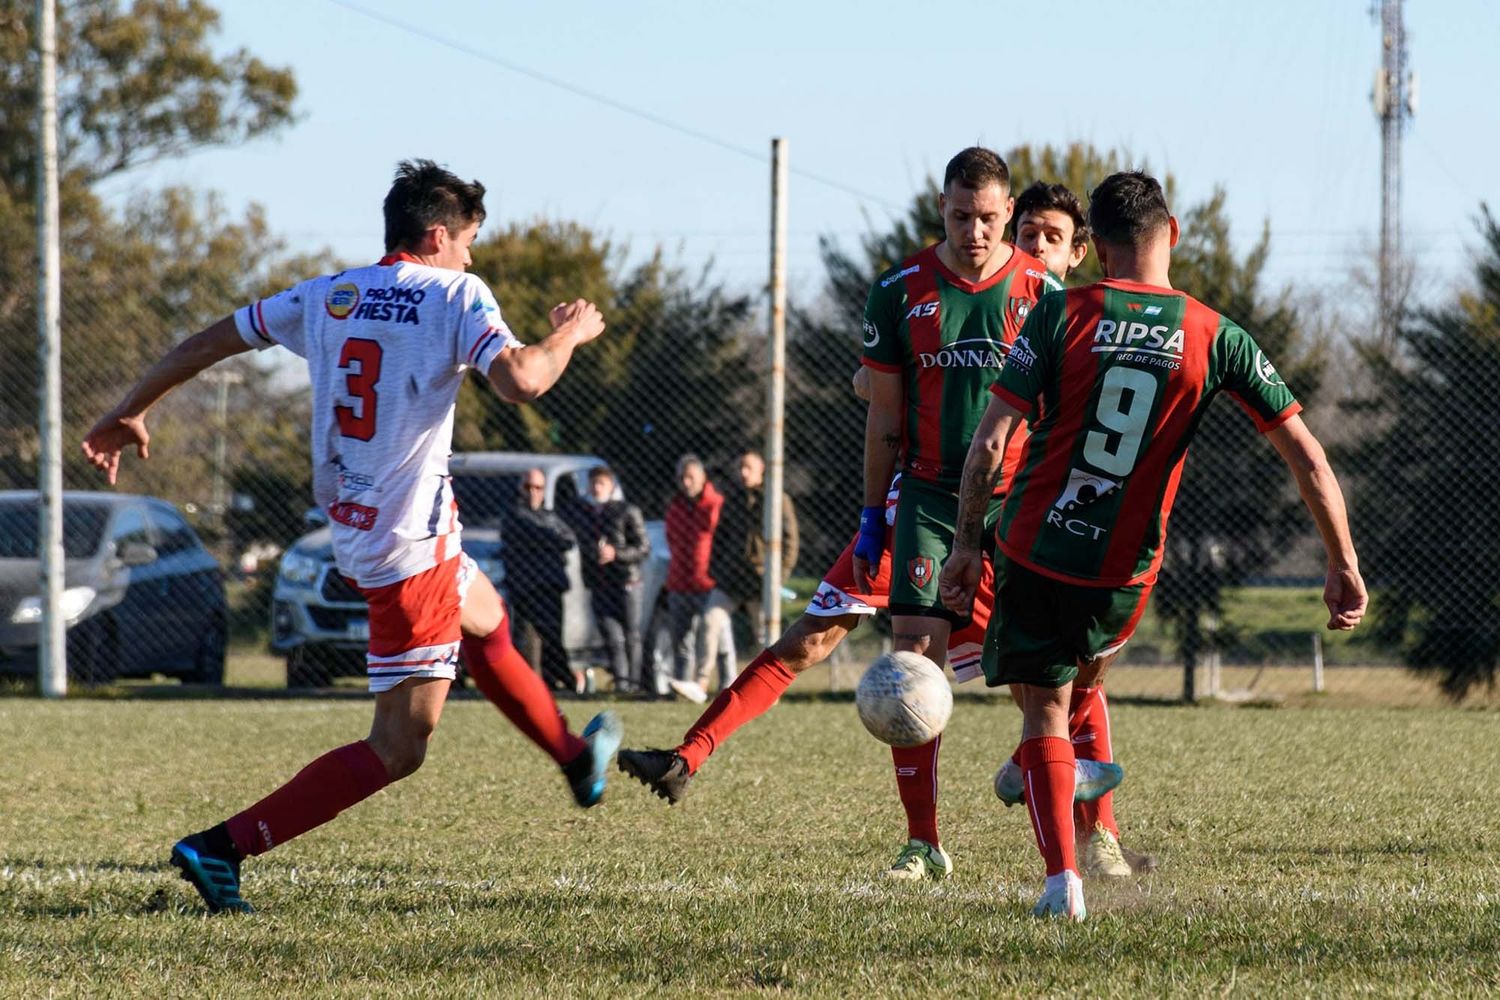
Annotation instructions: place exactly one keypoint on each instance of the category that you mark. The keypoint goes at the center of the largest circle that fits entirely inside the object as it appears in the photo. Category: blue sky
(1268, 99)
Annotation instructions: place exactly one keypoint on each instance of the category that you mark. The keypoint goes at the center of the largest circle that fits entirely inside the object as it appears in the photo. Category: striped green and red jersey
(1115, 377)
(947, 338)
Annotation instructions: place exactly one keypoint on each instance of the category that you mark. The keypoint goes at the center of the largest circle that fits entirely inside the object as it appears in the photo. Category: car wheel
(93, 653)
(308, 668)
(208, 661)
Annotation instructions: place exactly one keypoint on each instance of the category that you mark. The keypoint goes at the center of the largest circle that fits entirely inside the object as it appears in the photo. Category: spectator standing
(738, 565)
(537, 541)
(692, 516)
(612, 544)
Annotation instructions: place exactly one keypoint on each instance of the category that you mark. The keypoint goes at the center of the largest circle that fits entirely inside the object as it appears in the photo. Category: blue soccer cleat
(586, 774)
(216, 878)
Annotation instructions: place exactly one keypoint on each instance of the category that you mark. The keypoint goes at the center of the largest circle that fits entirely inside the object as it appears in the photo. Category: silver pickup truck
(320, 623)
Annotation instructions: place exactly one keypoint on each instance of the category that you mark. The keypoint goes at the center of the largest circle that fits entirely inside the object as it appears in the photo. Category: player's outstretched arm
(521, 374)
(1344, 590)
(960, 576)
(125, 425)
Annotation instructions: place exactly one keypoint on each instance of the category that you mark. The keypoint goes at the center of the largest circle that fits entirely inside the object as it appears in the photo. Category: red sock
(508, 681)
(318, 792)
(1048, 763)
(916, 780)
(1088, 726)
(749, 696)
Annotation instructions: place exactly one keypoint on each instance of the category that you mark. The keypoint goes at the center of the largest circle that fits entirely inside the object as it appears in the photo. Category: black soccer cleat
(215, 876)
(662, 771)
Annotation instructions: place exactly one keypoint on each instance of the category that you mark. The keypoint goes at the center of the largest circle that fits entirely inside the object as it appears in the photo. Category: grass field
(1305, 851)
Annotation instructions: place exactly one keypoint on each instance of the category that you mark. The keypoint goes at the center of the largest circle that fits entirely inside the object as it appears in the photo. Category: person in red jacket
(692, 516)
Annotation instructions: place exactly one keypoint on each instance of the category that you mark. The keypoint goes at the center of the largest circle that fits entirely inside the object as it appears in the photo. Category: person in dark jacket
(692, 515)
(536, 573)
(612, 543)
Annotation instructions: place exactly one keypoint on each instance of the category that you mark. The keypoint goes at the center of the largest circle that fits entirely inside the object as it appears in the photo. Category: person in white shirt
(387, 347)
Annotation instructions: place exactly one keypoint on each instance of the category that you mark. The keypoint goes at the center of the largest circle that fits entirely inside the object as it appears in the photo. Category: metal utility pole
(52, 666)
(224, 378)
(1395, 101)
(770, 586)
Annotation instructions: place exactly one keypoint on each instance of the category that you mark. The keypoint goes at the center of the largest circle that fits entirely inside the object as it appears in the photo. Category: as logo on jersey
(342, 300)
(922, 310)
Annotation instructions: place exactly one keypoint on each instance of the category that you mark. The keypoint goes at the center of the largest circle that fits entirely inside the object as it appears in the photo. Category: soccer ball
(904, 699)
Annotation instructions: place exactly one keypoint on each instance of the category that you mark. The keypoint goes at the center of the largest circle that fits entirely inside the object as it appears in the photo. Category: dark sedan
(141, 594)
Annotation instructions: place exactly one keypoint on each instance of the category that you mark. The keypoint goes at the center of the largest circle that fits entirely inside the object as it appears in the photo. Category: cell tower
(1395, 100)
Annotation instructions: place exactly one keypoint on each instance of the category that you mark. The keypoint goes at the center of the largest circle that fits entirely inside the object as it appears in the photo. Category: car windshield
(83, 524)
(485, 499)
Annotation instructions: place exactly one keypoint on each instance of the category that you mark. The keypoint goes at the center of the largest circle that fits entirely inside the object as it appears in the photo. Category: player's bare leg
(916, 767)
(809, 640)
(507, 680)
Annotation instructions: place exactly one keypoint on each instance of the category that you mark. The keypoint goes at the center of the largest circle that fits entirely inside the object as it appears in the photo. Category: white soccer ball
(904, 699)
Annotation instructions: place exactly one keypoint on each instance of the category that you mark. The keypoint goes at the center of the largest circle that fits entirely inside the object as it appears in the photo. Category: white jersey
(386, 348)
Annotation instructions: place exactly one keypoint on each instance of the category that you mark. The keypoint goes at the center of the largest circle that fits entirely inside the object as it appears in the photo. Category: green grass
(1325, 851)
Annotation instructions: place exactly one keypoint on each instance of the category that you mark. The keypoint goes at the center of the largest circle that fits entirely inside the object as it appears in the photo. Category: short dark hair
(976, 168)
(1044, 197)
(424, 195)
(602, 472)
(1128, 208)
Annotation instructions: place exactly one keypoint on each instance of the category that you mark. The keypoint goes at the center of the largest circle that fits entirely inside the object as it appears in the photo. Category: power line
(609, 102)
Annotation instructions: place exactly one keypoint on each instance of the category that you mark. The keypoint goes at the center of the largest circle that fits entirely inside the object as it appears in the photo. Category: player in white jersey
(387, 347)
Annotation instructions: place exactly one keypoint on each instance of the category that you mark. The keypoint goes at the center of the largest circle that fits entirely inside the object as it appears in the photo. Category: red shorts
(414, 624)
(837, 595)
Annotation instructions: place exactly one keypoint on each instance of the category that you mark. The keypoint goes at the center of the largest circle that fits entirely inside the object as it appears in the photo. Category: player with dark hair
(387, 347)
(1050, 225)
(971, 286)
(1116, 376)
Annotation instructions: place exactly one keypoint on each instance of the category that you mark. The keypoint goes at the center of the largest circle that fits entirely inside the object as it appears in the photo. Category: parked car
(141, 594)
(321, 624)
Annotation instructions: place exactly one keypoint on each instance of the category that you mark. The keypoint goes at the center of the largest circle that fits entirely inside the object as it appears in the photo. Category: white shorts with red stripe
(414, 624)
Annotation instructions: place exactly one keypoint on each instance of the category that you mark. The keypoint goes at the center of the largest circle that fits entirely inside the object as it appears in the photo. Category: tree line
(682, 368)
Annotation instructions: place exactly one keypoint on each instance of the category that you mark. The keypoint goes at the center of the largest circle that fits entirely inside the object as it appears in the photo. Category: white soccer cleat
(1010, 784)
(691, 690)
(1062, 897)
(1102, 857)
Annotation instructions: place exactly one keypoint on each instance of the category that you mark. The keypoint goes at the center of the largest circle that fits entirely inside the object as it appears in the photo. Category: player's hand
(606, 553)
(583, 316)
(960, 579)
(869, 547)
(110, 436)
(1344, 593)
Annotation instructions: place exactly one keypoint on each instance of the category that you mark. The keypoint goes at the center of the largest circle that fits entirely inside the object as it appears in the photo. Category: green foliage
(677, 369)
(140, 82)
(1425, 473)
(137, 82)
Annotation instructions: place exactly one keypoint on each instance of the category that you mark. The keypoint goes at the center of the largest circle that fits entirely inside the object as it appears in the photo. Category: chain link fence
(234, 559)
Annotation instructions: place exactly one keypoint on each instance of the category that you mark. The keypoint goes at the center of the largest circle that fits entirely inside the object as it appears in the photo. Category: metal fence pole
(1317, 644)
(52, 671)
(775, 399)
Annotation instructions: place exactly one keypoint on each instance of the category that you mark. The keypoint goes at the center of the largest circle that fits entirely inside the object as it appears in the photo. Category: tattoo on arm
(891, 441)
(973, 502)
